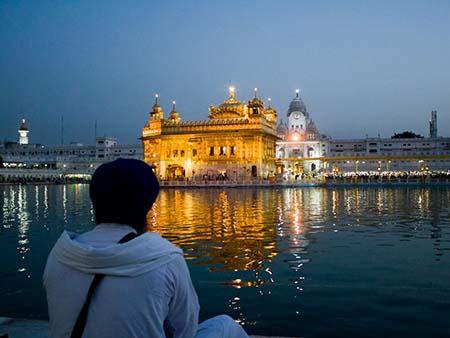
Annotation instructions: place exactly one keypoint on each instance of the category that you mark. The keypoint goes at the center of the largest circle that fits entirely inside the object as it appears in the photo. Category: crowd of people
(388, 175)
(359, 176)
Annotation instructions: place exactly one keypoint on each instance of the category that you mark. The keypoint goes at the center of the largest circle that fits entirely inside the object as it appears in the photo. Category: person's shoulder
(157, 241)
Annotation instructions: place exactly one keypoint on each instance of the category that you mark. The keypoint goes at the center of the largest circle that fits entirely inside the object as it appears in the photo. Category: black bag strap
(78, 328)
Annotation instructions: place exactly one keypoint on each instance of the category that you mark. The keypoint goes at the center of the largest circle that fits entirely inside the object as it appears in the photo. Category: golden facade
(236, 142)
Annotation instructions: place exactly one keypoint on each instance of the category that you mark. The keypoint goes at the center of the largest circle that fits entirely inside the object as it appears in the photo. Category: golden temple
(237, 141)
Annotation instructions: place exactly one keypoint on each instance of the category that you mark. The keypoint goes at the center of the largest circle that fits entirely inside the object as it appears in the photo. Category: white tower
(23, 133)
(297, 118)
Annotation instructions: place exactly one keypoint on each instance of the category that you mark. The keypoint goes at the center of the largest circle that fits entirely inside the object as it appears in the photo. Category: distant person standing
(119, 280)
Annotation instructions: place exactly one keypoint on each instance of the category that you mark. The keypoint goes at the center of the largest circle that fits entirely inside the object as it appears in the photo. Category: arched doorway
(297, 153)
(254, 171)
(175, 172)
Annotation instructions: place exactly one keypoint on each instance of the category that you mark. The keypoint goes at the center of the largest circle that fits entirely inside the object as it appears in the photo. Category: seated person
(119, 280)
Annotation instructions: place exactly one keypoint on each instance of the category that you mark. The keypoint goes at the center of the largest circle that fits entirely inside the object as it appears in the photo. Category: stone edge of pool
(29, 328)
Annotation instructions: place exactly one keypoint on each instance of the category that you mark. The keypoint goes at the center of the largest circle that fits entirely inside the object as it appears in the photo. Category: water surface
(311, 262)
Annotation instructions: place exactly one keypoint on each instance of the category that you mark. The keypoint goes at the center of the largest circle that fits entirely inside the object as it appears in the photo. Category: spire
(231, 91)
(256, 92)
(23, 125)
(270, 101)
(174, 116)
(297, 104)
(157, 112)
(23, 132)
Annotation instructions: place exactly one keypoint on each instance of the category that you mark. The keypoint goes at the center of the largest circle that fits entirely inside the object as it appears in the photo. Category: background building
(74, 157)
(300, 146)
(303, 151)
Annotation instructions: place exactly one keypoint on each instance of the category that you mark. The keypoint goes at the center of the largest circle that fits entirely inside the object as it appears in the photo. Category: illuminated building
(300, 146)
(301, 150)
(237, 141)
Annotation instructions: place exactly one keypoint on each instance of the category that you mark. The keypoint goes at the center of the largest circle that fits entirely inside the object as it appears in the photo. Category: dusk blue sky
(363, 67)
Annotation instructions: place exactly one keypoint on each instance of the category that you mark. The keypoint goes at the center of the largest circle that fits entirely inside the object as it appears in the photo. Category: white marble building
(300, 146)
(302, 150)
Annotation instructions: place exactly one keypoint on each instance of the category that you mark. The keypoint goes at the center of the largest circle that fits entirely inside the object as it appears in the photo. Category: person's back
(147, 280)
(146, 291)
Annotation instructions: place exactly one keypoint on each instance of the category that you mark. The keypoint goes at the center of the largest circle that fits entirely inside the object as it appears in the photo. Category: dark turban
(123, 191)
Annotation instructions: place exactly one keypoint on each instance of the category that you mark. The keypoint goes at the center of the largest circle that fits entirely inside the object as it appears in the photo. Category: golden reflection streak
(64, 202)
(227, 233)
(335, 198)
(244, 230)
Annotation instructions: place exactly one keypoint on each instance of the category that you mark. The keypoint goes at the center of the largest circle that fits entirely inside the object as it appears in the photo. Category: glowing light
(156, 95)
(231, 89)
(173, 102)
(297, 91)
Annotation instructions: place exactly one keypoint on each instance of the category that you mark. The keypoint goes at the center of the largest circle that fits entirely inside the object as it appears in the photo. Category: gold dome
(270, 113)
(255, 105)
(157, 112)
(230, 108)
(174, 116)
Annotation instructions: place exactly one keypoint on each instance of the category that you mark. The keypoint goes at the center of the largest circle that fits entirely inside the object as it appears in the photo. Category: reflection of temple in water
(237, 229)
(229, 229)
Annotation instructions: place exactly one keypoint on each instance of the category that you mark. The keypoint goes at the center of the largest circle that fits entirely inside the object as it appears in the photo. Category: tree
(406, 134)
